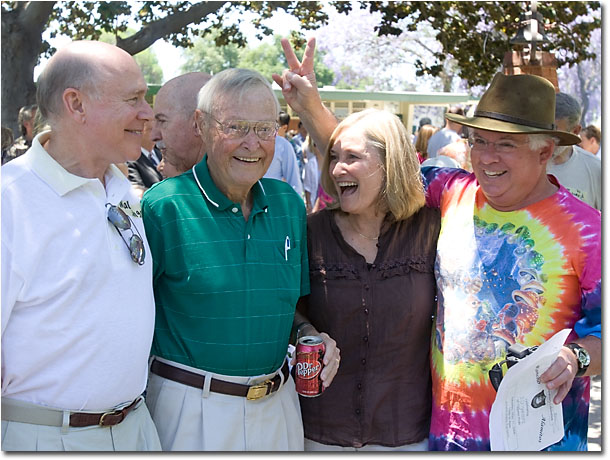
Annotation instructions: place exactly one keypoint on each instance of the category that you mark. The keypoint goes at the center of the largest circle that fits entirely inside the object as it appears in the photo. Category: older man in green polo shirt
(230, 263)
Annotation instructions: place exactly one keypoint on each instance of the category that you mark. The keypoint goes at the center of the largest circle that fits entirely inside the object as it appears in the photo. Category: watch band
(582, 357)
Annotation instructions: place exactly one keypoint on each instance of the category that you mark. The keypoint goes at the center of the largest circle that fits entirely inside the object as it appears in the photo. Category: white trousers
(136, 433)
(318, 447)
(190, 419)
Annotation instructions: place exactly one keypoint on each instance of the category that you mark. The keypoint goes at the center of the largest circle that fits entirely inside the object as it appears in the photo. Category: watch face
(583, 357)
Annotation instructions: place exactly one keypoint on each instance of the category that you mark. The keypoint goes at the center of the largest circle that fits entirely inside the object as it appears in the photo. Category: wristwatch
(582, 356)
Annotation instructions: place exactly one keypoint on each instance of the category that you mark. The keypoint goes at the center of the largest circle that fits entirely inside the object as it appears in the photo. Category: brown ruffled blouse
(381, 316)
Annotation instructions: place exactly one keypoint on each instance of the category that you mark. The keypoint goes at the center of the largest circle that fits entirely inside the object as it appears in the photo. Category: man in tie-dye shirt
(518, 260)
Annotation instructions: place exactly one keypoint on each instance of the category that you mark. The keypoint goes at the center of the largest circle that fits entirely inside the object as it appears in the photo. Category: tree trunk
(21, 44)
(584, 95)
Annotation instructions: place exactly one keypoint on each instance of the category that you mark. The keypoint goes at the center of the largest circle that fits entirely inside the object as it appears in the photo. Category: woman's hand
(298, 83)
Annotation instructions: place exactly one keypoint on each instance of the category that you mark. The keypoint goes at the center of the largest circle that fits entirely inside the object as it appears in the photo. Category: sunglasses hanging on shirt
(121, 221)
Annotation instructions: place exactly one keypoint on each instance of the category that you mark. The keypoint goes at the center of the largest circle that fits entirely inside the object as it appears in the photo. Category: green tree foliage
(205, 56)
(477, 34)
(148, 62)
(265, 58)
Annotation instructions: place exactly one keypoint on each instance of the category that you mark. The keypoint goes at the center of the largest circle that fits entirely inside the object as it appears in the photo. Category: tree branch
(36, 14)
(150, 33)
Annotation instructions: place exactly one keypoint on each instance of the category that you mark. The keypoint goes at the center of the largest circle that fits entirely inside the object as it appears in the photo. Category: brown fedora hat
(518, 104)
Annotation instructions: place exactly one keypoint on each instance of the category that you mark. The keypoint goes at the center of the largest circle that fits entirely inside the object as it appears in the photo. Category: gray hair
(568, 108)
(538, 141)
(68, 71)
(232, 82)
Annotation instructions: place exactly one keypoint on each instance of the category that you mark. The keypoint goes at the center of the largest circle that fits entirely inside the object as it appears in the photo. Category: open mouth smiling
(347, 187)
(247, 159)
(494, 173)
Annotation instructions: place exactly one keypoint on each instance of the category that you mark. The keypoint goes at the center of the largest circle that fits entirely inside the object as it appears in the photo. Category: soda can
(310, 355)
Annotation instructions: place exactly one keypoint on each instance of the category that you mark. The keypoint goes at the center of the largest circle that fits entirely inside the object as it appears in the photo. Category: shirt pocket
(287, 269)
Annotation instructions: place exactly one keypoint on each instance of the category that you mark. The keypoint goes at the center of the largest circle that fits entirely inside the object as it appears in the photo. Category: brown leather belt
(81, 419)
(25, 412)
(251, 392)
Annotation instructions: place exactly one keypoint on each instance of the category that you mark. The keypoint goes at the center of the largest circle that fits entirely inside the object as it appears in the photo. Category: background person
(230, 263)
(371, 264)
(576, 169)
(421, 143)
(591, 140)
(448, 134)
(284, 165)
(454, 155)
(143, 173)
(7, 141)
(26, 126)
(77, 304)
(311, 175)
(175, 129)
(422, 122)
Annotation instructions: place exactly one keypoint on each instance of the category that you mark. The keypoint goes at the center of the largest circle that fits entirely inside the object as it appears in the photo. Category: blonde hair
(402, 192)
(423, 136)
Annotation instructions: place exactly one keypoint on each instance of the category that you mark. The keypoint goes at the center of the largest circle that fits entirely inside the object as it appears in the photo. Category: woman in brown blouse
(371, 261)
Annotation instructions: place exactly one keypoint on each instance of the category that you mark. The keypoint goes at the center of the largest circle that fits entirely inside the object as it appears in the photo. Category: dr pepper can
(310, 354)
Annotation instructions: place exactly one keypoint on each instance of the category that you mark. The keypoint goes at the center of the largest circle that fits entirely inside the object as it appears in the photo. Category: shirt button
(366, 311)
(357, 411)
(248, 236)
(363, 361)
(234, 209)
(365, 338)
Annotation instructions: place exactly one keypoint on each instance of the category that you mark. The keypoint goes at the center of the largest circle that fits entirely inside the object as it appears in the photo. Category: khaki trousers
(136, 433)
(191, 419)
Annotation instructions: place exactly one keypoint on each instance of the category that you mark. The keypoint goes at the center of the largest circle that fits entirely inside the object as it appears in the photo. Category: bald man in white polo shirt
(77, 300)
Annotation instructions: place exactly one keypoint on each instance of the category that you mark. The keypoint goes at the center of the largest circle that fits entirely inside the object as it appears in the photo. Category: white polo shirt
(77, 312)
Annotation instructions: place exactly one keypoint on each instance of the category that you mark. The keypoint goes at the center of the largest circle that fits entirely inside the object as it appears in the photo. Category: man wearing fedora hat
(519, 259)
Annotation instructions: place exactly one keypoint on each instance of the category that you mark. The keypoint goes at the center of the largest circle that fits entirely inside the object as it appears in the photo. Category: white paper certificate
(523, 415)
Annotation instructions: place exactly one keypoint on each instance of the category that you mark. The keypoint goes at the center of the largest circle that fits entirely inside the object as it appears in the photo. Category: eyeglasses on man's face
(236, 129)
(479, 144)
(121, 221)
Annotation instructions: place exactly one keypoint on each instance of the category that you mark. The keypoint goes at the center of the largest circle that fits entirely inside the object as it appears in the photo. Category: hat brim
(490, 124)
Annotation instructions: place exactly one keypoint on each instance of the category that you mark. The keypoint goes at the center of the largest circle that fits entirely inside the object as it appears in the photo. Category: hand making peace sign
(299, 82)
(300, 91)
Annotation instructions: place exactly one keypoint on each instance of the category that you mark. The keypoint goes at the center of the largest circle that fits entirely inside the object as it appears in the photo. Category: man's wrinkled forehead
(231, 106)
(486, 134)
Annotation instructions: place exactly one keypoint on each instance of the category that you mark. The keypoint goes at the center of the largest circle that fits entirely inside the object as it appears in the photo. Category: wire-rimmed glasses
(503, 146)
(236, 129)
(121, 221)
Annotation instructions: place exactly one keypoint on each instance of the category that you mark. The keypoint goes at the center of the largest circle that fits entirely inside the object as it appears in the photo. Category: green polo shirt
(225, 289)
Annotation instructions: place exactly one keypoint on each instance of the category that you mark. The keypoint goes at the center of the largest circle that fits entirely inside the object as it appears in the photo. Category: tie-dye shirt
(506, 277)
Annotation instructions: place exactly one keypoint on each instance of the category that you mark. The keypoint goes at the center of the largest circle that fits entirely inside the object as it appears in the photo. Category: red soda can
(310, 355)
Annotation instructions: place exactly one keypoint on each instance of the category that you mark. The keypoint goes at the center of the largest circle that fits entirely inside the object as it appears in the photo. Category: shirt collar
(214, 196)
(63, 181)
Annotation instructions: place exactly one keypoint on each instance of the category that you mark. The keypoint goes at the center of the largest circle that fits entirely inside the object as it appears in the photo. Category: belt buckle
(114, 412)
(258, 391)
